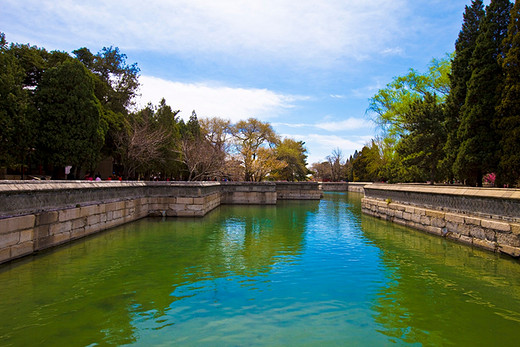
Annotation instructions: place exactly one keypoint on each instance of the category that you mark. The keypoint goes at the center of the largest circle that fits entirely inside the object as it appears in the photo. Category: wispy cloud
(347, 124)
(299, 32)
(392, 51)
(333, 126)
(213, 100)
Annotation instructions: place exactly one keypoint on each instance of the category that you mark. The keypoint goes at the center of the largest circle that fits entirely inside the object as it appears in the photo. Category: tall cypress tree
(477, 153)
(508, 111)
(459, 77)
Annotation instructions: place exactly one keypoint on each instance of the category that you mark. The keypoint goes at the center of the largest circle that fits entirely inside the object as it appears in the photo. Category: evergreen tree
(508, 121)
(421, 148)
(72, 127)
(478, 142)
(459, 77)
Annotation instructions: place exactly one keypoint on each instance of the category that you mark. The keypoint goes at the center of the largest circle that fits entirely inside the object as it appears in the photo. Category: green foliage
(478, 141)
(508, 110)
(17, 130)
(421, 148)
(72, 126)
(391, 103)
(294, 154)
(250, 135)
(459, 78)
(367, 166)
(118, 82)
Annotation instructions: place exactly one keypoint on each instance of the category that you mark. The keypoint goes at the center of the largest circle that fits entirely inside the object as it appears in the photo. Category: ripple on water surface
(303, 272)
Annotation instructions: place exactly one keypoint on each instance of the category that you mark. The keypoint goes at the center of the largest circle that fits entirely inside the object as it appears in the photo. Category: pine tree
(508, 111)
(477, 153)
(459, 77)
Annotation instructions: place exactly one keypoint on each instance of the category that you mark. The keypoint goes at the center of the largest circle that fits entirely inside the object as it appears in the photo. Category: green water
(299, 273)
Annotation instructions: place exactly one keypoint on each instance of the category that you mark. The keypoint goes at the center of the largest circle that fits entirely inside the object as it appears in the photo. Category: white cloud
(212, 100)
(347, 124)
(299, 32)
(334, 141)
(343, 125)
(393, 51)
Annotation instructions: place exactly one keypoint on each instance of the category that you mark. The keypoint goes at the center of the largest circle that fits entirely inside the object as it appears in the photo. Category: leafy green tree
(251, 135)
(17, 115)
(294, 154)
(367, 166)
(391, 103)
(72, 126)
(477, 153)
(118, 81)
(421, 148)
(508, 110)
(459, 78)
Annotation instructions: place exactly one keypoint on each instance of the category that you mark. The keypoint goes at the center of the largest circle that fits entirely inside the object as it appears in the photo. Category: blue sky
(308, 67)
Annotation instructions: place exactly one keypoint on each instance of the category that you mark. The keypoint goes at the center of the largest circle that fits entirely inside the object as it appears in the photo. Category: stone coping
(497, 193)
(29, 186)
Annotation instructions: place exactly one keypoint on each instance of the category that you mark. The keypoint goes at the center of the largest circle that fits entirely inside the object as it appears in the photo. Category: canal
(298, 273)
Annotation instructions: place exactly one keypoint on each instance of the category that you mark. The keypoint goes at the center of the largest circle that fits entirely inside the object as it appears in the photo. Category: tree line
(460, 120)
(59, 110)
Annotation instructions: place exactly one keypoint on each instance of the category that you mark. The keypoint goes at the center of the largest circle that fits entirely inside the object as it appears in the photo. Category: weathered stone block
(438, 222)
(92, 209)
(22, 249)
(509, 239)
(41, 231)
(94, 219)
(46, 218)
(7, 240)
(187, 201)
(485, 244)
(501, 226)
(69, 214)
(425, 220)
(454, 227)
(456, 218)
(472, 220)
(77, 233)
(435, 214)
(79, 223)
(515, 229)
(407, 216)
(26, 235)
(509, 250)
(5, 254)
(59, 228)
(8, 225)
(433, 230)
(416, 218)
(468, 240)
(478, 233)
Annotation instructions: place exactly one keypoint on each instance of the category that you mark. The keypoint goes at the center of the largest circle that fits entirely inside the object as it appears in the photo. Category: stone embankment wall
(482, 217)
(357, 187)
(35, 215)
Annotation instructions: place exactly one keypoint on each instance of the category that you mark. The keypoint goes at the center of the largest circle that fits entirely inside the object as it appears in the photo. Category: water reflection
(100, 288)
(439, 292)
(313, 273)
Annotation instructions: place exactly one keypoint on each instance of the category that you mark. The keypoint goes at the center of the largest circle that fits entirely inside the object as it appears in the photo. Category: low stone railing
(35, 215)
(484, 217)
(357, 187)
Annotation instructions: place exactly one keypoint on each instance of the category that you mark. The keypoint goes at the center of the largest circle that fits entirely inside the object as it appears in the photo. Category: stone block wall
(35, 215)
(485, 218)
(250, 193)
(357, 187)
(298, 191)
